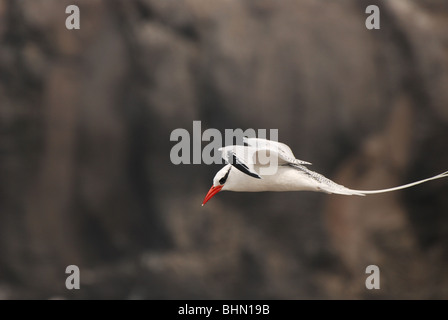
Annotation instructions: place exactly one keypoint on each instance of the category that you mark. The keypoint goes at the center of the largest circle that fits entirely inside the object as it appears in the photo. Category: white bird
(248, 171)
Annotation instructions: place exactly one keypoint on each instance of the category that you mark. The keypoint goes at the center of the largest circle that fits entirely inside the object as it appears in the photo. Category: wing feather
(238, 157)
(283, 152)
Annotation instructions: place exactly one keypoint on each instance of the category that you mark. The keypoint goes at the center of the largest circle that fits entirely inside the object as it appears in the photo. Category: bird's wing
(283, 152)
(264, 143)
(240, 157)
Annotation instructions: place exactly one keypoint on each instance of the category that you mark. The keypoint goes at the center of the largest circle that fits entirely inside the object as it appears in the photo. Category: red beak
(213, 190)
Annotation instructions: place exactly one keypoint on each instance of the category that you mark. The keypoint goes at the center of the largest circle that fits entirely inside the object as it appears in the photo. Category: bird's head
(219, 181)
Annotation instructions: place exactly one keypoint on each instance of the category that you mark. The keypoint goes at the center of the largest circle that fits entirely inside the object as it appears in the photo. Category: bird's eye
(223, 179)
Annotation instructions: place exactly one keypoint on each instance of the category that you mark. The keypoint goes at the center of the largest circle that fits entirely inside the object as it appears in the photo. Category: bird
(267, 165)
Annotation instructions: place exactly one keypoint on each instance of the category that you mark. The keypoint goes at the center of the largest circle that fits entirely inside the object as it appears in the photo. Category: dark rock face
(85, 173)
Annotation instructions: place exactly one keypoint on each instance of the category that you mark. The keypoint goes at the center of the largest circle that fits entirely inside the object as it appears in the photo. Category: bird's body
(287, 178)
(265, 165)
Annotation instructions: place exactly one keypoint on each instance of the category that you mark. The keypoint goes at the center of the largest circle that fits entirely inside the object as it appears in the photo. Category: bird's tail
(365, 192)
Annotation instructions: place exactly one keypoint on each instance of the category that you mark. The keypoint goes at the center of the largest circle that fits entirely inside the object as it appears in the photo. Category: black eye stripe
(223, 179)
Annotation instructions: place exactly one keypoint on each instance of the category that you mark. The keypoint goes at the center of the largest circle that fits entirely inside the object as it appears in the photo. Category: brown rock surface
(85, 173)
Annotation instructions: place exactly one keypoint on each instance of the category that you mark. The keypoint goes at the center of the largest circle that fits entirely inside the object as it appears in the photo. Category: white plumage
(265, 165)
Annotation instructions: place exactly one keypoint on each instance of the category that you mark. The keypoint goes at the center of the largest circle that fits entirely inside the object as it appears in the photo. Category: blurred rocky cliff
(86, 177)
